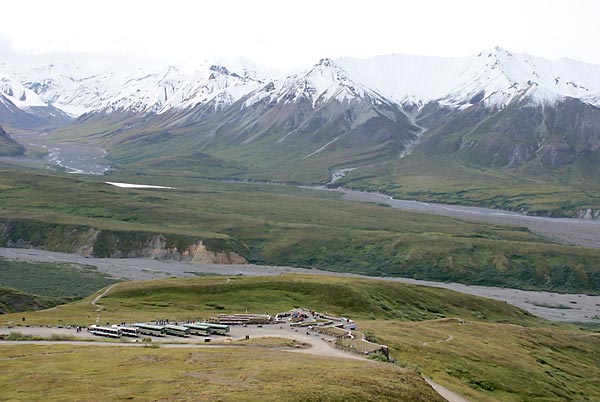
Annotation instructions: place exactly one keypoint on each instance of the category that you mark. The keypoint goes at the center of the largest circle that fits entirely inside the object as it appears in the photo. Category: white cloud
(289, 33)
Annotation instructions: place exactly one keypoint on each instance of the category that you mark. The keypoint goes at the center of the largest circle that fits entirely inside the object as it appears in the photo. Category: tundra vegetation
(281, 225)
(483, 349)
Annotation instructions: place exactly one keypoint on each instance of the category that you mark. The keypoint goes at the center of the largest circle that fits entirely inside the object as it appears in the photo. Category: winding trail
(450, 337)
(445, 392)
(108, 289)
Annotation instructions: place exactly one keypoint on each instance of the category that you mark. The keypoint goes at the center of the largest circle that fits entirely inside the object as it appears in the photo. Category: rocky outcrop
(158, 247)
(550, 136)
(198, 253)
(588, 214)
(94, 242)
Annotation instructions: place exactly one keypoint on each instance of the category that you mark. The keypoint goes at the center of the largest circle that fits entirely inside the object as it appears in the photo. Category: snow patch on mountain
(494, 77)
(13, 91)
(80, 88)
(322, 82)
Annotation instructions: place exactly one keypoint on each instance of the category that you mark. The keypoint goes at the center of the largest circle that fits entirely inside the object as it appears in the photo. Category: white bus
(105, 331)
(129, 331)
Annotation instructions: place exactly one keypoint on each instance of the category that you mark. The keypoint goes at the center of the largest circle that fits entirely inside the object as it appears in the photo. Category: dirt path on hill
(450, 337)
(445, 392)
(100, 296)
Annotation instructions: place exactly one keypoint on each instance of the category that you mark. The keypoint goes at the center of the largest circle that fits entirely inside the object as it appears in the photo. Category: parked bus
(149, 329)
(198, 329)
(177, 330)
(217, 329)
(129, 331)
(105, 331)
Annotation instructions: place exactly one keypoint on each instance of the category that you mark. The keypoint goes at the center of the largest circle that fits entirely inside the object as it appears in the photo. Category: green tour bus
(198, 329)
(149, 329)
(217, 329)
(177, 330)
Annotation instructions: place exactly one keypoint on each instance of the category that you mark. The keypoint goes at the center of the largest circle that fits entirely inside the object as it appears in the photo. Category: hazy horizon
(288, 35)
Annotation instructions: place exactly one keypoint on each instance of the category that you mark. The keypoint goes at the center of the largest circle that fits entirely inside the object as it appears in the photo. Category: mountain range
(515, 114)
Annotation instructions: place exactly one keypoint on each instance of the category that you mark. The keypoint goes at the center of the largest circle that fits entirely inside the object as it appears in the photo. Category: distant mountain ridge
(495, 109)
(494, 75)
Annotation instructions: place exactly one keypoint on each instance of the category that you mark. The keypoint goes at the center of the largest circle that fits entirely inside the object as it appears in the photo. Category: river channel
(88, 159)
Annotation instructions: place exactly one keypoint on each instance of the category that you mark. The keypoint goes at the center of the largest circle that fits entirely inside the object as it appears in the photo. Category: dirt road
(445, 392)
(317, 345)
(100, 296)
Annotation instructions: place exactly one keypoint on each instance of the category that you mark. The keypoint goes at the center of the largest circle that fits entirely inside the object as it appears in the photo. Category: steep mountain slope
(494, 77)
(513, 113)
(524, 134)
(313, 120)
(22, 108)
(8, 146)
(79, 88)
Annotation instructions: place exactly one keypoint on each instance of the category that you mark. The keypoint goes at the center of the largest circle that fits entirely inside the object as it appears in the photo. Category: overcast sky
(282, 33)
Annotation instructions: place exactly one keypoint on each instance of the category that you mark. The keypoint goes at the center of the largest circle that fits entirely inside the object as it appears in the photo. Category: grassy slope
(442, 179)
(13, 301)
(61, 281)
(185, 299)
(448, 176)
(498, 362)
(226, 374)
(438, 177)
(163, 148)
(10, 148)
(501, 354)
(291, 226)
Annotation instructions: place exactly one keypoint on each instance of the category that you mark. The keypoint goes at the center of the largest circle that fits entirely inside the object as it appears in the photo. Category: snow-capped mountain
(13, 91)
(81, 88)
(22, 108)
(324, 81)
(494, 77)
(497, 108)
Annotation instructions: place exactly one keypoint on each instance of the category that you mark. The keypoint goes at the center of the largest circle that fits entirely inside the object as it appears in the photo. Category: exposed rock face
(588, 213)
(196, 253)
(523, 133)
(85, 243)
(90, 241)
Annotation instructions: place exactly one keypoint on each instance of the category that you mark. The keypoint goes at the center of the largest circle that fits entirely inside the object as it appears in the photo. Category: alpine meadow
(384, 206)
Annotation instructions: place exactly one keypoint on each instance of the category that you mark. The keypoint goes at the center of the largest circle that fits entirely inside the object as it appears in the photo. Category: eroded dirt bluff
(159, 248)
(94, 242)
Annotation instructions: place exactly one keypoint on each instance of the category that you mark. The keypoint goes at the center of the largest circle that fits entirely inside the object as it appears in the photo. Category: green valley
(281, 225)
